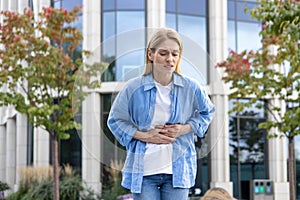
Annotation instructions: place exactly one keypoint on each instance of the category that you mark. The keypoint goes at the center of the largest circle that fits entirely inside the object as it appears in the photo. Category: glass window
(248, 148)
(134, 20)
(231, 36)
(170, 6)
(241, 14)
(198, 8)
(109, 30)
(231, 9)
(108, 5)
(69, 5)
(189, 19)
(130, 4)
(247, 36)
(29, 143)
(123, 38)
(171, 20)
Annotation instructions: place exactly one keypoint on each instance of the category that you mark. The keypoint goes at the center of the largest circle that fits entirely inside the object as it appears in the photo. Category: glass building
(233, 153)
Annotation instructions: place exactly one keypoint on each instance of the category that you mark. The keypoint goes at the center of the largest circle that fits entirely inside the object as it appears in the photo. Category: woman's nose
(170, 57)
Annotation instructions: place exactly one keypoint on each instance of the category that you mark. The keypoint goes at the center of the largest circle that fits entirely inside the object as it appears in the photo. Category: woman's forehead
(169, 45)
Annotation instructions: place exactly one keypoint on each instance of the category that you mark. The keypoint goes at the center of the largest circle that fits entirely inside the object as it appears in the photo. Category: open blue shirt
(133, 110)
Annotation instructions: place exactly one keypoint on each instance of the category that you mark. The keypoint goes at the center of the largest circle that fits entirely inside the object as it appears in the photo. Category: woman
(155, 117)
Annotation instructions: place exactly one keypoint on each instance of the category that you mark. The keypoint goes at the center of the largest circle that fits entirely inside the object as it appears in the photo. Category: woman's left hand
(175, 130)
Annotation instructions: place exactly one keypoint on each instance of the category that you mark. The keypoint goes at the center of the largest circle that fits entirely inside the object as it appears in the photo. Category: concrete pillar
(92, 28)
(11, 152)
(91, 151)
(3, 6)
(21, 147)
(22, 5)
(13, 5)
(219, 133)
(156, 13)
(2, 153)
(91, 146)
(41, 149)
(277, 161)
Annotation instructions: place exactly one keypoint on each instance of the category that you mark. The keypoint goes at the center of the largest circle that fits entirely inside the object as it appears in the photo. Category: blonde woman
(217, 193)
(155, 117)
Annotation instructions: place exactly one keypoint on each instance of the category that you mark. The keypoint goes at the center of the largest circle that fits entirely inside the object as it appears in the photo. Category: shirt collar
(148, 81)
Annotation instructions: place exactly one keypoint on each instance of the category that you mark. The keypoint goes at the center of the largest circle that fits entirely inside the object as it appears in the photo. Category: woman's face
(166, 57)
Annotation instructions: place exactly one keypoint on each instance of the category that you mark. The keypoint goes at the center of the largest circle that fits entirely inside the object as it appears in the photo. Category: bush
(37, 183)
(3, 186)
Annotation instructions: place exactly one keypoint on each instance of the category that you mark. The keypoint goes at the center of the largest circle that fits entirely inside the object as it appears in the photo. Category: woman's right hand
(154, 136)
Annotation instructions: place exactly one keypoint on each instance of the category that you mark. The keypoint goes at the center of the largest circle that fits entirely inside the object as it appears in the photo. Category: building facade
(117, 31)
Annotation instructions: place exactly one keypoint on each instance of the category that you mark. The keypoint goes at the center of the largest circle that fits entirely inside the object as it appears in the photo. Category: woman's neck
(163, 79)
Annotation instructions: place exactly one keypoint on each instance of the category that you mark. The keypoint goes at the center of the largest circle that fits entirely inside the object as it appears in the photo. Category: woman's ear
(150, 55)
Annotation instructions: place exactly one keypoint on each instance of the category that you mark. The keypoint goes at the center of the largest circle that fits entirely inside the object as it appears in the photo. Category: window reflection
(189, 19)
(248, 148)
(199, 7)
(247, 36)
(121, 44)
(130, 4)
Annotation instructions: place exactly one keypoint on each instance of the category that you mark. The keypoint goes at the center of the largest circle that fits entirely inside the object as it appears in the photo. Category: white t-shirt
(158, 157)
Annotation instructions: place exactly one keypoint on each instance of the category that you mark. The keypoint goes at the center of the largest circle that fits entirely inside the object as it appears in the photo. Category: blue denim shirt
(133, 110)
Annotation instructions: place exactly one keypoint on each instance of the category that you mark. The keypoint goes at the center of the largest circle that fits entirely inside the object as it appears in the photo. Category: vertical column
(22, 5)
(156, 13)
(2, 153)
(11, 152)
(13, 5)
(92, 28)
(277, 162)
(219, 133)
(91, 151)
(41, 149)
(3, 6)
(21, 147)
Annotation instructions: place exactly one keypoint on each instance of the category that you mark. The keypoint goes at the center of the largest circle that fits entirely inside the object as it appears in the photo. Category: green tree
(38, 75)
(272, 72)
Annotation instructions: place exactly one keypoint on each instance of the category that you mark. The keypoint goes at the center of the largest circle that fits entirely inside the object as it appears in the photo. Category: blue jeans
(160, 187)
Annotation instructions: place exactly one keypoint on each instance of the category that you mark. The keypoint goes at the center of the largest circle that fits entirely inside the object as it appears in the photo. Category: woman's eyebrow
(172, 50)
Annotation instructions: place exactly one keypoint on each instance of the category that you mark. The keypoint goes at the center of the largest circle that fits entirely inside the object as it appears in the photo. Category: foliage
(3, 186)
(271, 73)
(275, 69)
(36, 183)
(38, 71)
(112, 188)
(38, 75)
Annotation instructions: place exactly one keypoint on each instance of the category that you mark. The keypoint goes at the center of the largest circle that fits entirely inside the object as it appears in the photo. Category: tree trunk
(292, 169)
(54, 142)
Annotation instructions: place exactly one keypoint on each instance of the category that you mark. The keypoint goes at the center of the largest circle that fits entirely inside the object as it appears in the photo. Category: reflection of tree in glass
(251, 139)
(110, 73)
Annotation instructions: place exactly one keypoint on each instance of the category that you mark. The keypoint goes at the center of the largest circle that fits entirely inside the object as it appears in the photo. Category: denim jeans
(160, 187)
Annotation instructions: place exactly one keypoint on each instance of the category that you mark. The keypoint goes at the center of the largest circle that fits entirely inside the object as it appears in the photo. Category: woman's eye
(175, 54)
(162, 54)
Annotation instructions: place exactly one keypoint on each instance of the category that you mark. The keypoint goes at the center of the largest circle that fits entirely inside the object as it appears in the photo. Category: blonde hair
(161, 35)
(217, 193)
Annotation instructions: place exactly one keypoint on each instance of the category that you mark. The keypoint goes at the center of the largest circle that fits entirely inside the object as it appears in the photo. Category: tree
(272, 72)
(41, 78)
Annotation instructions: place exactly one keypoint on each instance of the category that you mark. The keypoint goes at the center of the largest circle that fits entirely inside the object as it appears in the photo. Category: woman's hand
(155, 136)
(175, 130)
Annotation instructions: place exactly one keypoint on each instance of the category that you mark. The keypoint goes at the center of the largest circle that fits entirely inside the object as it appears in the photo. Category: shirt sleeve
(203, 113)
(119, 120)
